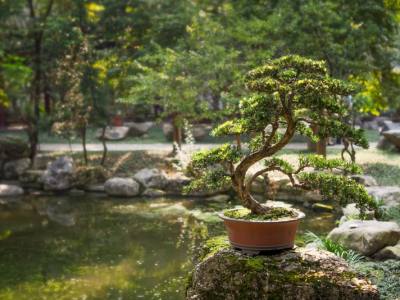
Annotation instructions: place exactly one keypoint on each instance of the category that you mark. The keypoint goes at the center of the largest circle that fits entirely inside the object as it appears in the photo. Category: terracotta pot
(262, 235)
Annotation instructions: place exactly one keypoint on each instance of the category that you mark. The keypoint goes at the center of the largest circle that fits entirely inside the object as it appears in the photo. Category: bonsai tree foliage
(288, 95)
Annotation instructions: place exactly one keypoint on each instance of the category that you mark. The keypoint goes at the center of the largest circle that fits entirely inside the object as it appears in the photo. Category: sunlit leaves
(93, 11)
(339, 188)
(223, 154)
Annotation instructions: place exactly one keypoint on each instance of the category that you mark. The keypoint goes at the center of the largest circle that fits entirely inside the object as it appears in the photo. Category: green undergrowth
(275, 213)
(385, 275)
(324, 243)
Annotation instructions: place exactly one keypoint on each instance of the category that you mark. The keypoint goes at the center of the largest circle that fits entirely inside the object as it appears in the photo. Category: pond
(92, 247)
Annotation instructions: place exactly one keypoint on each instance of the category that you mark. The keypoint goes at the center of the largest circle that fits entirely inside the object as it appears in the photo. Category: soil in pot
(274, 230)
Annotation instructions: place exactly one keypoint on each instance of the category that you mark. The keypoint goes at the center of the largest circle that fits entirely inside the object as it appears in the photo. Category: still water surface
(92, 247)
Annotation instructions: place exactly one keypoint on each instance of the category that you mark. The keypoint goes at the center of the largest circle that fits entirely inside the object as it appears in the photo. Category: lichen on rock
(225, 273)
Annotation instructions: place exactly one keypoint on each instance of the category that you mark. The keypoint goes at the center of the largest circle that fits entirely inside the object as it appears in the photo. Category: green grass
(324, 243)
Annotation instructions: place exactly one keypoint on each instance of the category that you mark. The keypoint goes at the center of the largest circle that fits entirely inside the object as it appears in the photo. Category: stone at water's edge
(122, 187)
(8, 190)
(59, 173)
(366, 237)
(14, 168)
(151, 178)
(294, 274)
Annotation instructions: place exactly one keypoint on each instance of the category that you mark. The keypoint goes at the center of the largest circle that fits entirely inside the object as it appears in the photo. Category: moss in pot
(293, 94)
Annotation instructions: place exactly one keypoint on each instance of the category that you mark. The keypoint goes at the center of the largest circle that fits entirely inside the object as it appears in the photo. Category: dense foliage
(185, 54)
(288, 95)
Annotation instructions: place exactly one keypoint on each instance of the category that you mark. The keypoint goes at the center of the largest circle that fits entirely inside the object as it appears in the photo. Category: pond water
(92, 247)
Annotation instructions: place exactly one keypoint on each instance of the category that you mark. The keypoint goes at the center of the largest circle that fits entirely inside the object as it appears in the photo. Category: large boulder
(388, 125)
(176, 182)
(294, 274)
(137, 129)
(389, 252)
(388, 195)
(15, 168)
(384, 144)
(59, 174)
(113, 133)
(366, 237)
(151, 178)
(9, 190)
(121, 187)
(393, 136)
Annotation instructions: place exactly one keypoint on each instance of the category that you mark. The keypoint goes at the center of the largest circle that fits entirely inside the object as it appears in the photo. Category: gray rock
(393, 137)
(122, 187)
(219, 198)
(42, 160)
(14, 168)
(113, 133)
(365, 180)
(138, 129)
(350, 211)
(59, 174)
(151, 178)
(366, 237)
(150, 192)
(384, 144)
(8, 190)
(199, 131)
(389, 252)
(388, 125)
(389, 195)
(95, 188)
(295, 274)
(175, 183)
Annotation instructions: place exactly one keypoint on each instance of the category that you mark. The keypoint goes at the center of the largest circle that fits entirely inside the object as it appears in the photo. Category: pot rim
(300, 215)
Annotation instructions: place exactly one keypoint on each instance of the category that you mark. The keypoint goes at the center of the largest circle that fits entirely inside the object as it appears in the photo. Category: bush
(86, 175)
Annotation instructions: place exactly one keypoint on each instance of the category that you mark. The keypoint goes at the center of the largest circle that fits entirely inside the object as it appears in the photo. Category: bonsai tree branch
(288, 93)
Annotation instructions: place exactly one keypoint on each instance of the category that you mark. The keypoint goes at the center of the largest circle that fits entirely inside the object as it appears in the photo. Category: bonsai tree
(288, 95)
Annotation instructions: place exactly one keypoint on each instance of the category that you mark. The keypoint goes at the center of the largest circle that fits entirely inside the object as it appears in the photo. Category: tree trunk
(83, 136)
(176, 134)
(319, 147)
(47, 99)
(33, 140)
(105, 150)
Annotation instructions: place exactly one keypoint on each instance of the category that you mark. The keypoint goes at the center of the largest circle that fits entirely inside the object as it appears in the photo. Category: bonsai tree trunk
(243, 186)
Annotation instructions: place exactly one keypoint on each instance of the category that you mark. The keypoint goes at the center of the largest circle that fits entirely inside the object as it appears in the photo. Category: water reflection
(97, 248)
